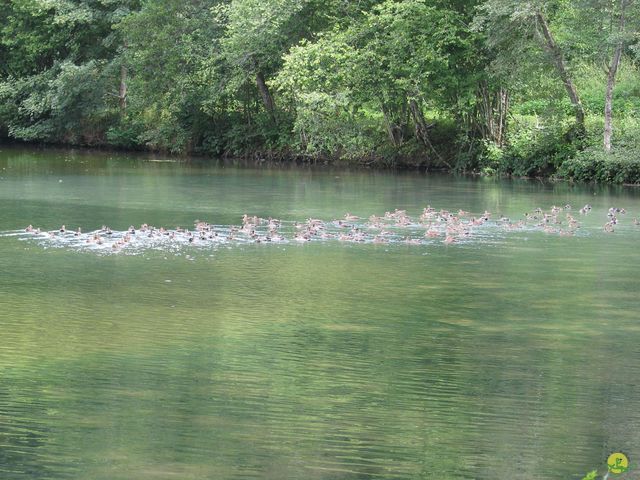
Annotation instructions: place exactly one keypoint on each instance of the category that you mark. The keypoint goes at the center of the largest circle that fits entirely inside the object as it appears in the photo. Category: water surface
(513, 357)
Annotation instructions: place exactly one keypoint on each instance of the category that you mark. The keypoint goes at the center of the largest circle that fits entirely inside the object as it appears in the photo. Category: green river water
(515, 356)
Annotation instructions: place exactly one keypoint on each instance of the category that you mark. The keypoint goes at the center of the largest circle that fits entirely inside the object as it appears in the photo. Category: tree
(164, 49)
(260, 32)
(394, 60)
(510, 24)
(620, 21)
(58, 70)
(611, 76)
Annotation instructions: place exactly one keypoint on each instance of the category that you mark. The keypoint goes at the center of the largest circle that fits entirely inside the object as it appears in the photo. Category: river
(508, 354)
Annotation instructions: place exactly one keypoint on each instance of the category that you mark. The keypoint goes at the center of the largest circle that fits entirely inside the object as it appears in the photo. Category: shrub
(533, 149)
(621, 165)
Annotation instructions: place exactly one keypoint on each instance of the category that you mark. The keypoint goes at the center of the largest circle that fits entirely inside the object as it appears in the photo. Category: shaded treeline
(523, 87)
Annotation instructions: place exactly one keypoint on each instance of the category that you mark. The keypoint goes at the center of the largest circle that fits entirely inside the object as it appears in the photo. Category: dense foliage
(522, 87)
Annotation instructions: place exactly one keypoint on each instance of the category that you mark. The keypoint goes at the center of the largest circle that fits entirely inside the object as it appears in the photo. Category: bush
(621, 165)
(125, 133)
(593, 164)
(327, 125)
(533, 149)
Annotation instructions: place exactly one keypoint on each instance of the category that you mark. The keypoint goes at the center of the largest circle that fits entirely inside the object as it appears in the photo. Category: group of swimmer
(392, 227)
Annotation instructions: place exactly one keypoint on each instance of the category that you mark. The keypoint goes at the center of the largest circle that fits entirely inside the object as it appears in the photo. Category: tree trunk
(419, 123)
(503, 110)
(122, 93)
(393, 129)
(611, 82)
(267, 99)
(422, 128)
(490, 115)
(561, 68)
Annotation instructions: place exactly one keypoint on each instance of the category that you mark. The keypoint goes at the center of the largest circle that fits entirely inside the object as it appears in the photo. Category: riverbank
(555, 155)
